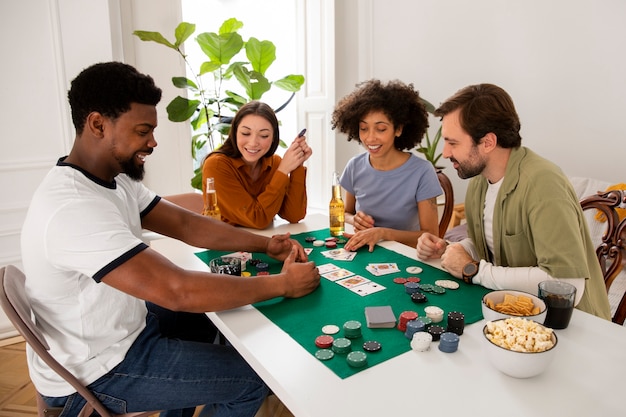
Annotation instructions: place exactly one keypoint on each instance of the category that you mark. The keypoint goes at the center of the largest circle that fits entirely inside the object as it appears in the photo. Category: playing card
(244, 256)
(339, 254)
(367, 288)
(338, 274)
(308, 251)
(382, 268)
(326, 268)
(352, 281)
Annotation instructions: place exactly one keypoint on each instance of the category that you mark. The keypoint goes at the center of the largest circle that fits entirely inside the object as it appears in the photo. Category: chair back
(16, 306)
(448, 206)
(611, 250)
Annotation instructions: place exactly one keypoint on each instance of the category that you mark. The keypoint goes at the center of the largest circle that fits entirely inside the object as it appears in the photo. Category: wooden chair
(611, 250)
(17, 308)
(448, 206)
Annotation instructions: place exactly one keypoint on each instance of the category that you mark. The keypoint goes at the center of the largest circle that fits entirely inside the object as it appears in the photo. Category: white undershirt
(490, 204)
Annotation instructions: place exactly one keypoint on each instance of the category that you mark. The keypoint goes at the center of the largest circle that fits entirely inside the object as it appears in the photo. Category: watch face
(470, 269)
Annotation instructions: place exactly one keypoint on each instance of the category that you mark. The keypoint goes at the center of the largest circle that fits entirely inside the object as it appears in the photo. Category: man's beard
(474, 165)
(132, 169)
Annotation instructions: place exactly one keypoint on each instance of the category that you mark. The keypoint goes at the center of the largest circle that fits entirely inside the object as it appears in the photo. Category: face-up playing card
(382, 269)
(308, 250)
(367, 288)
(352, 281)
(338, 274)
(339, 254)
(326, 268)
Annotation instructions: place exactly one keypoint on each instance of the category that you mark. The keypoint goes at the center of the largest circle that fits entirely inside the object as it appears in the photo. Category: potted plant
(210, 109)
(428, 147)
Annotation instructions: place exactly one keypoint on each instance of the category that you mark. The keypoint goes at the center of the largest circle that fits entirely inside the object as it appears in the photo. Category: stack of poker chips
(342, 345)
(456, 322)
(262, 268)
(411, 287)
(421, 341)
(434, 313)
(418, 298)
(426, 320)
(435, 332)
(448, 342)
(413, 327)
(357, 359)
(405, 317)
(352, 329)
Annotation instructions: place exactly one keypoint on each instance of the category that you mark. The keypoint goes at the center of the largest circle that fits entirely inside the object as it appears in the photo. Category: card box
(380, 317)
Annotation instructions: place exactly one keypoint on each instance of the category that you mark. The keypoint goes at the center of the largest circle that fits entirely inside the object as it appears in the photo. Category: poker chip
(456, 322)
(414, 270)
(447, 283)
(426, 320)
(421, 341)
(331, 239)
(426, 287)
(411, 287)
(418, 297)
(372, 346)
(448, 342)
(331, 244)
(263, 273)
(399, 280)
(309, 239)
(405, 317)
(436, 289)
(318, 243)
(324, 341)
(246, 274)
(342, 345)
(330, 329)
(341, 240)
(435, 331)
(254, 262)
(352, 329)
(434, 313)
(413, 279)
(262, 266)
(357, 359)
(324, 354)
(413, 327)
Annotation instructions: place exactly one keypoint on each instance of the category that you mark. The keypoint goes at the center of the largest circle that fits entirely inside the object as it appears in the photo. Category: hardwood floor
(17, 394)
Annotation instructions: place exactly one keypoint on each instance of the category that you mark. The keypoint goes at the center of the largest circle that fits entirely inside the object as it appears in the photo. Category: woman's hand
(296, 155)
(362, 221)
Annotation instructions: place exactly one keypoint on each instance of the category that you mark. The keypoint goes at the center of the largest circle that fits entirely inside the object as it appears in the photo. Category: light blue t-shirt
(391, 197)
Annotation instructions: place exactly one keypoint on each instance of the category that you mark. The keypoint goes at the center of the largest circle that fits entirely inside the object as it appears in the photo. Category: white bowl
(519, 364)
(498, 296)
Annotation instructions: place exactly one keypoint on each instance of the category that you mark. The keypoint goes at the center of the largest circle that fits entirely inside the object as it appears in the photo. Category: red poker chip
(331, 244)
(324, 341)
(263, 273)
(413, 279)
(331, 239)
(400, 280)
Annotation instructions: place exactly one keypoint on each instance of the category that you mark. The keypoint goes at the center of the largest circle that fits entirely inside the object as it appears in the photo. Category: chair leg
(44, 411)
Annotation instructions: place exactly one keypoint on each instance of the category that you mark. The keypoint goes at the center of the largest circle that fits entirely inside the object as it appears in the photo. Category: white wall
(562, 61)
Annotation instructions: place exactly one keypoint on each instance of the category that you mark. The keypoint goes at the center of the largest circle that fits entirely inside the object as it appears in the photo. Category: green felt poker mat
(303, 318)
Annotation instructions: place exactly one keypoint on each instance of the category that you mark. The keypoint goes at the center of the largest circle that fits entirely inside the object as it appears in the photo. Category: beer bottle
(336, 209)
(210, 200)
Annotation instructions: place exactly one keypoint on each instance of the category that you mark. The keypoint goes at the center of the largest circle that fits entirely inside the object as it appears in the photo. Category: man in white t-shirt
(89, 274)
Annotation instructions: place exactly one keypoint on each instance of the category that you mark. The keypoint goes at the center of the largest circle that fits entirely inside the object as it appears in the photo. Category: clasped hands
(453, 256)
(366, 233)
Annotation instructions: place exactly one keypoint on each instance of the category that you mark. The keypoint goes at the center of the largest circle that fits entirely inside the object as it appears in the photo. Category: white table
(585, 379)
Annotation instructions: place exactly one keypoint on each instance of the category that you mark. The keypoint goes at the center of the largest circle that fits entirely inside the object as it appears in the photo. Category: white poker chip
(414, 270)
(447, 283)
(319, 243)
(330, 329)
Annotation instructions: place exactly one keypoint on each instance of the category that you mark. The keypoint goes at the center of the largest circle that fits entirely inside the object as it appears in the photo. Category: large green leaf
(261, 54)
(209, 66)
(183, 31)
(290, 83)
(184, 82)
(220, 48)
(181, 109)
(230, 25)
(154, 37)
(254, 83)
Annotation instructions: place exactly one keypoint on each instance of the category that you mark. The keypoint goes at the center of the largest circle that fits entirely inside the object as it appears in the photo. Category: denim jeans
(167, 373)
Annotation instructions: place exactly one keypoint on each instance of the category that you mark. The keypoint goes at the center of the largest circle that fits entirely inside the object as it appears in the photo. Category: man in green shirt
(524, 221)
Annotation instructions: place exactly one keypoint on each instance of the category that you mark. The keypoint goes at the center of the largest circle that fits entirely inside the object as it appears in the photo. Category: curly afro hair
(400, 102)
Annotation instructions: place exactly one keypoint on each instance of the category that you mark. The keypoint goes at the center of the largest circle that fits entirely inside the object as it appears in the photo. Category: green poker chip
(324, 354)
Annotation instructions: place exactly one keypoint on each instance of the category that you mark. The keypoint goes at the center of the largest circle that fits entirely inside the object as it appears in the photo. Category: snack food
(515, 305)
(519, 334)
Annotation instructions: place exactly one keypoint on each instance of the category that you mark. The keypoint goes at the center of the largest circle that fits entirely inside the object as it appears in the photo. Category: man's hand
(430, 246)
(279, 247)
(454, 259)
(299, 278)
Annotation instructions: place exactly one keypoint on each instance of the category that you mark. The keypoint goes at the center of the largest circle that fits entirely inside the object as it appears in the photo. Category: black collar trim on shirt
(111, 185)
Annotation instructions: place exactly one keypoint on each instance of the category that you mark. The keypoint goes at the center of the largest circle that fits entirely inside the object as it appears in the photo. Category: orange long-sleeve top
(243, 202)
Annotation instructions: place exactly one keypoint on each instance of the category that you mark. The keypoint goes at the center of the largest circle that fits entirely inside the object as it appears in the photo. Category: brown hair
(485, 108)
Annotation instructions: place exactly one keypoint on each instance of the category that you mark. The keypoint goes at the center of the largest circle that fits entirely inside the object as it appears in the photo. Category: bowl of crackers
(503, 304)
(519, 347)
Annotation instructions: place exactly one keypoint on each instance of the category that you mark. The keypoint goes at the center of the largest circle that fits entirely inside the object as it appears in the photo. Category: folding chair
(17, 308)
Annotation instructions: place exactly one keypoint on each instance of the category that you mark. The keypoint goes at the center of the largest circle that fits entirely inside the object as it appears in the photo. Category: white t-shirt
(391, 197)
(76, 230)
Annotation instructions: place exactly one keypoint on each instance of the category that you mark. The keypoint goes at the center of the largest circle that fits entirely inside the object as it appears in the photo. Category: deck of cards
(347, 279)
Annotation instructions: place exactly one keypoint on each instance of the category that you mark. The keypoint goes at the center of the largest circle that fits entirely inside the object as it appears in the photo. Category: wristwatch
(469, 271)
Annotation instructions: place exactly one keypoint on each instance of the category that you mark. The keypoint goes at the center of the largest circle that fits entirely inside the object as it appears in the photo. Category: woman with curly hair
(390, 194)
(254, 184)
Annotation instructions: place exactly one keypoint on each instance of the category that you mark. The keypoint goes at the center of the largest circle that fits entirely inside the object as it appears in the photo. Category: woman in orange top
(252, 183)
